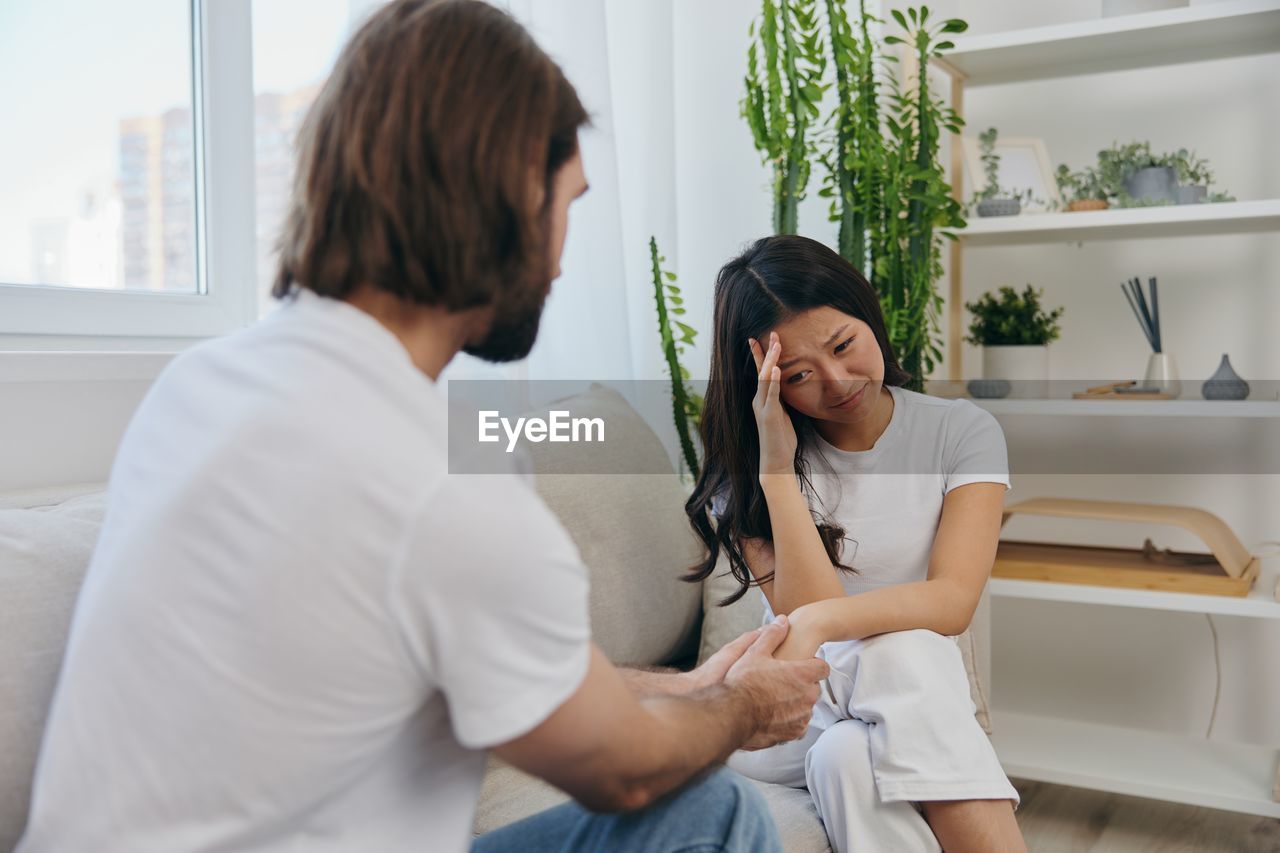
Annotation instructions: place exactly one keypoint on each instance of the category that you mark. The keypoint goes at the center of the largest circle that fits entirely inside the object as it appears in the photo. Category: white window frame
(222, 88)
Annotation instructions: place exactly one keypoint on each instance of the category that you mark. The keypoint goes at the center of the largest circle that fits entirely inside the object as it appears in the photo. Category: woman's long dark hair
(772, 281)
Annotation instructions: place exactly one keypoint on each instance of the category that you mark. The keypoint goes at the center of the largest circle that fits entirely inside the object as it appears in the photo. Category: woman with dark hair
(869, 515)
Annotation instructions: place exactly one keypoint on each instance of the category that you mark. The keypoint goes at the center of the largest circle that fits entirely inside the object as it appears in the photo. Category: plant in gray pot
(1014, 332)
(1141, 178)
(1194, 177)
(992, 200)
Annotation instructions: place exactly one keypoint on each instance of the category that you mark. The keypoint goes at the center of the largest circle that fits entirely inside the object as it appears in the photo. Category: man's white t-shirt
(889, 499)
(299, 631)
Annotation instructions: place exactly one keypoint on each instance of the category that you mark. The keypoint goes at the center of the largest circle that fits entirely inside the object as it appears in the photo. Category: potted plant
(1132, 176)
(885, 174)
(1083, 190)
(1143, 178)
(1014, 333)
(686, 405)
(992, 199)
(1194, 177)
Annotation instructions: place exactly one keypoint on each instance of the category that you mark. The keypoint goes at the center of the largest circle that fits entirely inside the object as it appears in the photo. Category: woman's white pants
(899, 730)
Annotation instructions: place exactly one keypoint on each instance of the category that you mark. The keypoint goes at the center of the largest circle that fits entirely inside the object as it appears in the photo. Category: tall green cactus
(781, 117)
(888, 187)
(915, 267)
(854, 162)
(686, 406)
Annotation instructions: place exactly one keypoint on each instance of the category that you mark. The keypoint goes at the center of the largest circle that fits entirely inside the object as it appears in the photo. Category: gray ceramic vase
(1153, 184)
(1225, 384)
(1193, 194)
(999, 207)
(989, 389)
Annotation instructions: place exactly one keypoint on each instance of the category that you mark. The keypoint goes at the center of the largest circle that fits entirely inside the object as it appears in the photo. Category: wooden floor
(1057, 819)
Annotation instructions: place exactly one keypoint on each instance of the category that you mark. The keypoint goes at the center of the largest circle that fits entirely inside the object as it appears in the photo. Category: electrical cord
(1261, 553)
(1217, 675)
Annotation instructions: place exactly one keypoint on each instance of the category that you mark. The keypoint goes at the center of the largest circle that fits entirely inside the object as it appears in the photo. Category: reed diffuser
(1162, 373)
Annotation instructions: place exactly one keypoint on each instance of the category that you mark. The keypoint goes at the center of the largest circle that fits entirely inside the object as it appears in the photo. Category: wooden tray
(1111, 391)
(1115, 395)
(1229, 569)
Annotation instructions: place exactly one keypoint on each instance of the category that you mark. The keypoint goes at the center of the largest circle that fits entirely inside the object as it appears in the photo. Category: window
(99, 188)
(127, 167)
(295, 43)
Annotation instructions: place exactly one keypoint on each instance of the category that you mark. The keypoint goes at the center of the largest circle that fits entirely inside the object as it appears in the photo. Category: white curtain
(600, 322)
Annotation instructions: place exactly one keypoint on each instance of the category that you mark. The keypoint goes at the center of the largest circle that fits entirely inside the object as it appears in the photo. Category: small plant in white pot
(1014, 332)
(992, 199)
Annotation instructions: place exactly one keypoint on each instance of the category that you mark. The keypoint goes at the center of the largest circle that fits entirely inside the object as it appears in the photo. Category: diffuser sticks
(1148, 317)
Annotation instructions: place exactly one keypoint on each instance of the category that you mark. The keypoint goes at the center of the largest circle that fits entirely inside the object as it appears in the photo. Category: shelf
(1260, 603)
(1134, 408)
(1185, 220)
(1174, 768)
(1191, 34)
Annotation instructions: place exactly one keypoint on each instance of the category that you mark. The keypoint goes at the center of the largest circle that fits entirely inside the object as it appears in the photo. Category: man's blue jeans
(722, 812)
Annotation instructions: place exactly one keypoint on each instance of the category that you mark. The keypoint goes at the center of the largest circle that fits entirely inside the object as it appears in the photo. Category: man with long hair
(298, 630)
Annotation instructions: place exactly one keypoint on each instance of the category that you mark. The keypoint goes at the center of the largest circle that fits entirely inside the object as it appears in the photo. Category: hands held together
(779, 692)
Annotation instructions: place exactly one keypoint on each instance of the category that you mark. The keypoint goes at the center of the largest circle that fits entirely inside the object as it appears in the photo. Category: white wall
(1128, 667)
(62, 414)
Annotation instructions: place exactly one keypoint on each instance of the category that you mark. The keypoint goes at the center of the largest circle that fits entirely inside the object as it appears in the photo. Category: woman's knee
(905, 670)
(842, 757)
(920, 658)
(782, 764)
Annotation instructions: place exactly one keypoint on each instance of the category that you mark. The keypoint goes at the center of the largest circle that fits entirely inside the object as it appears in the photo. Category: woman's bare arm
(964, 550)
(802, 572)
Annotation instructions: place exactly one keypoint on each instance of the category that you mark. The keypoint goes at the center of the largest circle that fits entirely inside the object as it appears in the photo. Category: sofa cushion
(509, 795)
(630, 528)
(722, 624)
(44, 552)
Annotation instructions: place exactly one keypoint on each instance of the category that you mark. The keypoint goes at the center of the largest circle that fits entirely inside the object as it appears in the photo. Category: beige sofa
(632, 534)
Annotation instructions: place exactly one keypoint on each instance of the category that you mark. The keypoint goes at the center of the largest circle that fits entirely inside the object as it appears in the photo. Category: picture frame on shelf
(1024, 165)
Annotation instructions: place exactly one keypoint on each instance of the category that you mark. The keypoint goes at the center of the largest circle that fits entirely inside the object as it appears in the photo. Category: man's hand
(784, 691)
(808, 631)
(716, 667)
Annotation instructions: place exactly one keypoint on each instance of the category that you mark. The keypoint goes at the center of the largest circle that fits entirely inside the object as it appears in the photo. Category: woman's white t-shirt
(889, 499)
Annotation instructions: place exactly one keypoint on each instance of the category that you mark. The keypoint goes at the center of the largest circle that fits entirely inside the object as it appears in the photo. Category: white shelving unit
(1135, 408)
(1187, 220)
(1211, 31)
(1176, 768)
(1258, 604)
(1183, 769)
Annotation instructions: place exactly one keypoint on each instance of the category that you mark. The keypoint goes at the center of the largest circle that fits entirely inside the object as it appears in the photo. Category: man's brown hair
(421, 161)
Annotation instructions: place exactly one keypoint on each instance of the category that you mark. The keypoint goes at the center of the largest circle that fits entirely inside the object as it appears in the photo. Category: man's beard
(514, 327)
